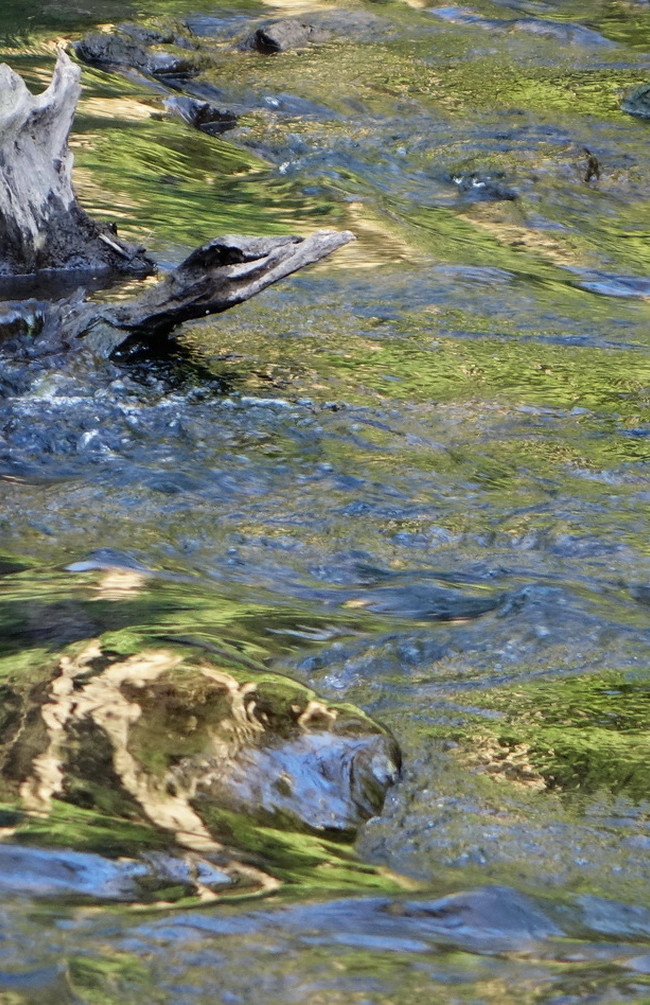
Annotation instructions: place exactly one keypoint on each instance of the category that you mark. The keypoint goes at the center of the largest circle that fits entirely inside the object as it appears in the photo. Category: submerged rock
(201, 114)
(169, 755)
(45, 872)
(426, 602)
(170, 729)
(129, 51)
(483, 186)
(489, 918)
(560, 31)
(637, 102)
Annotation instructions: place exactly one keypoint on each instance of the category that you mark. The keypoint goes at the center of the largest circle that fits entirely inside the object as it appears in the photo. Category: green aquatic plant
(585, 733)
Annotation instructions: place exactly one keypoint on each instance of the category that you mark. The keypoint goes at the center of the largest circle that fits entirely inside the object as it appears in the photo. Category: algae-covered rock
(174, 755)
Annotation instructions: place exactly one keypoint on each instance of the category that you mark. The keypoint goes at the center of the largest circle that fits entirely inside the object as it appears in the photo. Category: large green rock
(135, 741)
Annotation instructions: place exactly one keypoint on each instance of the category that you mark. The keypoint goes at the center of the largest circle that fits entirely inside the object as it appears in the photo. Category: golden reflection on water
(510, 228)
(377, 241)
(119, 584)
(124, 109)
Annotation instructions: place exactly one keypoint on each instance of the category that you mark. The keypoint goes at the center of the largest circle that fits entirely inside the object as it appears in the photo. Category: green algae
(68, 826)
(305, 862)
(586, 733)
(462, 365)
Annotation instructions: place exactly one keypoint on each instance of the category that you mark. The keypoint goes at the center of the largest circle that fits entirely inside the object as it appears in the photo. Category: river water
(413, 477)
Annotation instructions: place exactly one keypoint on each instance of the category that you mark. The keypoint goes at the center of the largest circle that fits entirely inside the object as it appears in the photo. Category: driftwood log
(43, 227)
(220, 274)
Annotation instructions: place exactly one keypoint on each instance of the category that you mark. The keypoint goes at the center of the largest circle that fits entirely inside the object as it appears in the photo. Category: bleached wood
(42, 225)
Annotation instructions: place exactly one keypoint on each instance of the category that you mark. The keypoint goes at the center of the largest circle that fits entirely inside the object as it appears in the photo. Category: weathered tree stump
(42, 225)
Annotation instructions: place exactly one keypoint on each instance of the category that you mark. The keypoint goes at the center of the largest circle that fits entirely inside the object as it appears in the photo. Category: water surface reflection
(414, 478)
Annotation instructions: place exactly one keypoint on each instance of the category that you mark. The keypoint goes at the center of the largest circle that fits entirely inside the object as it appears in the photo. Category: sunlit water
(415, 478)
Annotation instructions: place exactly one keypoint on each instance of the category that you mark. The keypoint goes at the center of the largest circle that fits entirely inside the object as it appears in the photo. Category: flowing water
(413, 478)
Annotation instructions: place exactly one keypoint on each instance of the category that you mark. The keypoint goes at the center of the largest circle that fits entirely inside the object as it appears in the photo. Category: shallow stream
(413, 478)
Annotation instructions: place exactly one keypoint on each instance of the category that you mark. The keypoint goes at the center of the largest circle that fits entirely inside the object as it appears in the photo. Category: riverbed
(413, 478)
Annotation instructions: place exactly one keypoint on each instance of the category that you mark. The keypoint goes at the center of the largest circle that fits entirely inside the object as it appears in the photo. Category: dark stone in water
(641, 592)
(492, 918)
(9, 566)
(487, 919)
(201, 114)
(145, 35)
(280, 36)
(429, 603)
(177, 33)
(404, 594)
(100, 48)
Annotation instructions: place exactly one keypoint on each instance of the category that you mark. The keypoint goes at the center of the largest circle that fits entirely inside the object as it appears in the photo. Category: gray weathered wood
(220, 274)
(42, 225)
